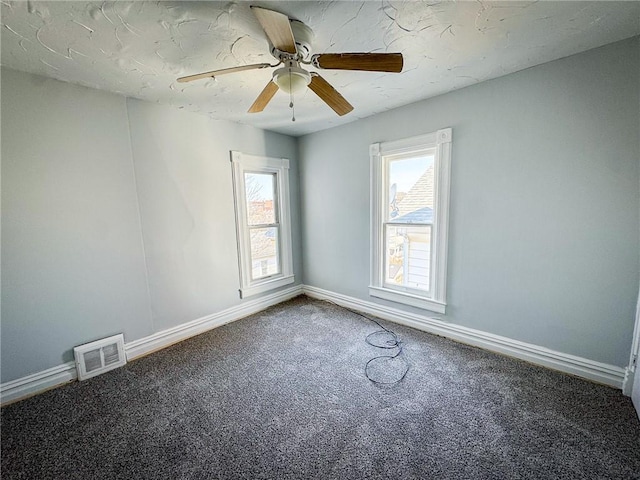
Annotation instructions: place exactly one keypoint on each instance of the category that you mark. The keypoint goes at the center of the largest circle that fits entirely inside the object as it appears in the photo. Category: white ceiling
(138, 48)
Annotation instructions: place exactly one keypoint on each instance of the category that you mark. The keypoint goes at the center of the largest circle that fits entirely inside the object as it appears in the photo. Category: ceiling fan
(290, 42)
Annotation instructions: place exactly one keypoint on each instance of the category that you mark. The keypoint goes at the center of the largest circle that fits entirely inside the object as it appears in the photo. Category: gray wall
(185, 190)
(86, 177)
(117, 215)
(544, 243)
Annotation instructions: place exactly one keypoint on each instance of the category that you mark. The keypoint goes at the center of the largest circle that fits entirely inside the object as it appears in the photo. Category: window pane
(265, 260)
(407, 261)
(411, 189)
(259, 189)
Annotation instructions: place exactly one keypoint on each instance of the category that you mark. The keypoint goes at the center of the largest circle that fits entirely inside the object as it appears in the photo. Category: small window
(261, 190)
(409, 208)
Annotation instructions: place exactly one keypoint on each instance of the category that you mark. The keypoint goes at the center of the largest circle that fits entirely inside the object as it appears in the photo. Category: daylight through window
(409, 220)
(410, 192)
(262, 222)
(262, 216)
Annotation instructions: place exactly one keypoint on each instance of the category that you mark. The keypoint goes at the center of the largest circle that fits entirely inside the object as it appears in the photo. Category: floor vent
(100, 356)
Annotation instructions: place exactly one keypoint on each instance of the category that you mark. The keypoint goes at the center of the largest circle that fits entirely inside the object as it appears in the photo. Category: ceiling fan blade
(223, 71)
(329, 95)
(264, 98)
(372, 62)
(277, 27)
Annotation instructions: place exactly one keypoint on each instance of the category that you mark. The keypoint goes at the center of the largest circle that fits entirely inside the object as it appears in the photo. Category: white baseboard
(53, 377)
(37, 383)
(163, 339)
(599, 372)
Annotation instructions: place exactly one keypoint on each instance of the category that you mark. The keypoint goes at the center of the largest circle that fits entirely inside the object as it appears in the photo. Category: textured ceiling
(138, 48)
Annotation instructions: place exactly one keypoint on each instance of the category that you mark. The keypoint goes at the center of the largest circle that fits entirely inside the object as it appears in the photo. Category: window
(261, 191)
(409, 220)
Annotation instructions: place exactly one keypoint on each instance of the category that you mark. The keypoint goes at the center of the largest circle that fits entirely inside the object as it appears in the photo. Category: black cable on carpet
(391, 342)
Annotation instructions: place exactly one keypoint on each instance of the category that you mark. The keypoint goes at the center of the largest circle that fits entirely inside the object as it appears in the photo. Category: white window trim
(441, 141)
(242, 163)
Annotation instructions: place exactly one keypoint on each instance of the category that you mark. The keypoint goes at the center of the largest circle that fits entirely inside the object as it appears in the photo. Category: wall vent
(100, 356)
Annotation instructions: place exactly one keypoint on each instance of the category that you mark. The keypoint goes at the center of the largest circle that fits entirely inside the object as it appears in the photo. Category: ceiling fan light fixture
(292, 79)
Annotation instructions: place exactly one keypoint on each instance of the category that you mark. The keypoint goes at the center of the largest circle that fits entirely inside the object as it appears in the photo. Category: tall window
(409, 208)
(261, 190)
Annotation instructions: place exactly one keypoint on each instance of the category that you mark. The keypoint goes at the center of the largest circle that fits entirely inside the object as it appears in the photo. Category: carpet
(282, 395)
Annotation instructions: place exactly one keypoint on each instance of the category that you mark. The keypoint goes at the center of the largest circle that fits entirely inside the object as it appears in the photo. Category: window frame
(279, 167)
(380, 154)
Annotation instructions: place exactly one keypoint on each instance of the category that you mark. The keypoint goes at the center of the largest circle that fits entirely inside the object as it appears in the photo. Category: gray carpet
(281, 394)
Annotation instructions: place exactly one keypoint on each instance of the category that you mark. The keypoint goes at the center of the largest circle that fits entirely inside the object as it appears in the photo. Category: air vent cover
(100, 356)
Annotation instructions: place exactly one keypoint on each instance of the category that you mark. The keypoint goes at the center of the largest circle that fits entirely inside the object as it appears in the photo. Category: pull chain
(291, 106)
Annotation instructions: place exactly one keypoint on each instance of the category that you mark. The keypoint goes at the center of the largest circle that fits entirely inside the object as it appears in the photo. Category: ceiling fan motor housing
(303, 37)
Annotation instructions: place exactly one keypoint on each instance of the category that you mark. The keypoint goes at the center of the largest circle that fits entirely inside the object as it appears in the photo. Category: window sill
(266, 286)
(408, 299)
